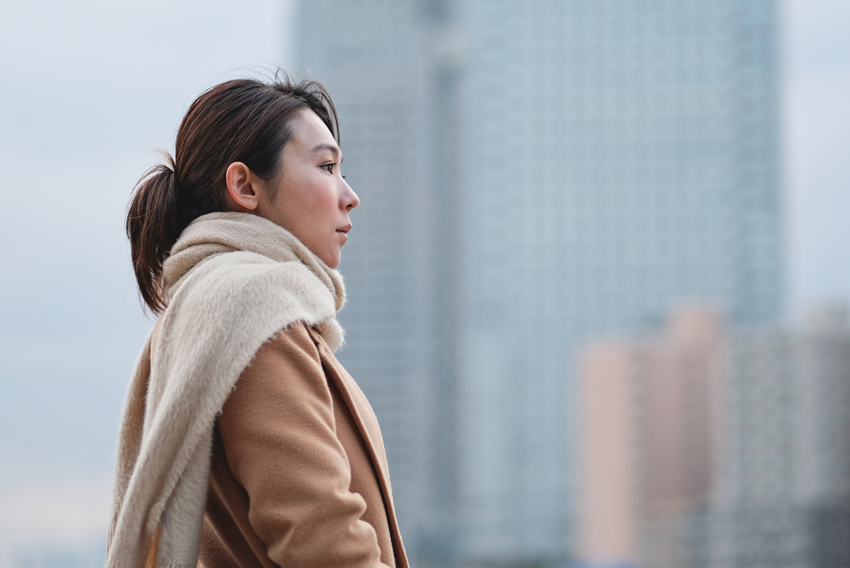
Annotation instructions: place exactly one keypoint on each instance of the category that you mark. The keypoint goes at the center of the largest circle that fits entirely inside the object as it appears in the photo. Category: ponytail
(153, 225)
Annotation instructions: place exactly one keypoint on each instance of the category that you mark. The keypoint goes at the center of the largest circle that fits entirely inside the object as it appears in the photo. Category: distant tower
(532, 173)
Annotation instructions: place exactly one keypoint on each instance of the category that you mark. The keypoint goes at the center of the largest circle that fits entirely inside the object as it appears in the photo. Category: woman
(244, 442)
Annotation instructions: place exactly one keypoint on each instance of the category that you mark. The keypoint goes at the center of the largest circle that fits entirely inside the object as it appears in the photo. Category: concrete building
(782, 495)
(531, 174)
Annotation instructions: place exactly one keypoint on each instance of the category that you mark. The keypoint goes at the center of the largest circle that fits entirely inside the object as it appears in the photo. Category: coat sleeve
(280, 442)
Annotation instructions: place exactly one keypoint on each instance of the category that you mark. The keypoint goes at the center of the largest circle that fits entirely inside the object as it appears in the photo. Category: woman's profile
(244, 442)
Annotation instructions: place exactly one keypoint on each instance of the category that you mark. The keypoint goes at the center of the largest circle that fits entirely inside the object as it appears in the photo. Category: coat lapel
(367, 424)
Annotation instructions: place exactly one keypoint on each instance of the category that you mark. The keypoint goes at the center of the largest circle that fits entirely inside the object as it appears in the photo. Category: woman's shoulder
(297, 338)
(298, 344)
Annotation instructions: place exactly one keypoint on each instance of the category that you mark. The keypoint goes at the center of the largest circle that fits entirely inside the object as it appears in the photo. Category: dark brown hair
(244, 120)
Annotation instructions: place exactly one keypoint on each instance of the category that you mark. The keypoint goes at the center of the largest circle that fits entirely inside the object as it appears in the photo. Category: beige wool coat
(299, 476)
(244, 442)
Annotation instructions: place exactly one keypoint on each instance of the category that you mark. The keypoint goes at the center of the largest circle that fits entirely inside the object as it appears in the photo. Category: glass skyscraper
(533, 172)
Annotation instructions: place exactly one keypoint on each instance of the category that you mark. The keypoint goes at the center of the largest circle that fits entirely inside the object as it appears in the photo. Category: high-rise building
(532, 173)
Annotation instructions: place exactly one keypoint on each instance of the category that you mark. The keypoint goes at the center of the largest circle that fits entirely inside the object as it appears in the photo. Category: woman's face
(308, 197)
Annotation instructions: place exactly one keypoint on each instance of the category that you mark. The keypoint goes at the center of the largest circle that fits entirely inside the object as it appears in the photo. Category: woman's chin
(332, 260)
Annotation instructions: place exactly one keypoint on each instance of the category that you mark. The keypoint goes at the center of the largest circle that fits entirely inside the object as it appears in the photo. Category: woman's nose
(350, 199)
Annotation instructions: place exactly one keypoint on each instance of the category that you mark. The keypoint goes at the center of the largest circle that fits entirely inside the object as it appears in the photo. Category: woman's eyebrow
(325, 146)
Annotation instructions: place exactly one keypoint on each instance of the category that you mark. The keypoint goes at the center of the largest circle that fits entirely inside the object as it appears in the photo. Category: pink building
(646, 440)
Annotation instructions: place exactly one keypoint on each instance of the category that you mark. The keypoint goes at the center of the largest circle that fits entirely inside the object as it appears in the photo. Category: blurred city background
(597, 282)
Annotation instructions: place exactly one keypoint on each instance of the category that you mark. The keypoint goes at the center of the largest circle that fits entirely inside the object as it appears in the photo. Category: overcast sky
(817, 150)
(89, 90)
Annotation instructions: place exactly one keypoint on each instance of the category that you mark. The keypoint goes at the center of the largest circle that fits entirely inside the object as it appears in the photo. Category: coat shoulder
(295, 340)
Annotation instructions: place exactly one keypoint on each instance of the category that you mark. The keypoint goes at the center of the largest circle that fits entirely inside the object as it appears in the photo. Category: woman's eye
(330, 167)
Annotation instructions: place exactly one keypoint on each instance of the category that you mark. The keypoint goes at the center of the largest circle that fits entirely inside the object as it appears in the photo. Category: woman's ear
(243, 193)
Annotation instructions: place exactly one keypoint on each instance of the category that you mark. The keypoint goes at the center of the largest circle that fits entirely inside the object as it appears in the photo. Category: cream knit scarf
(233, 280)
